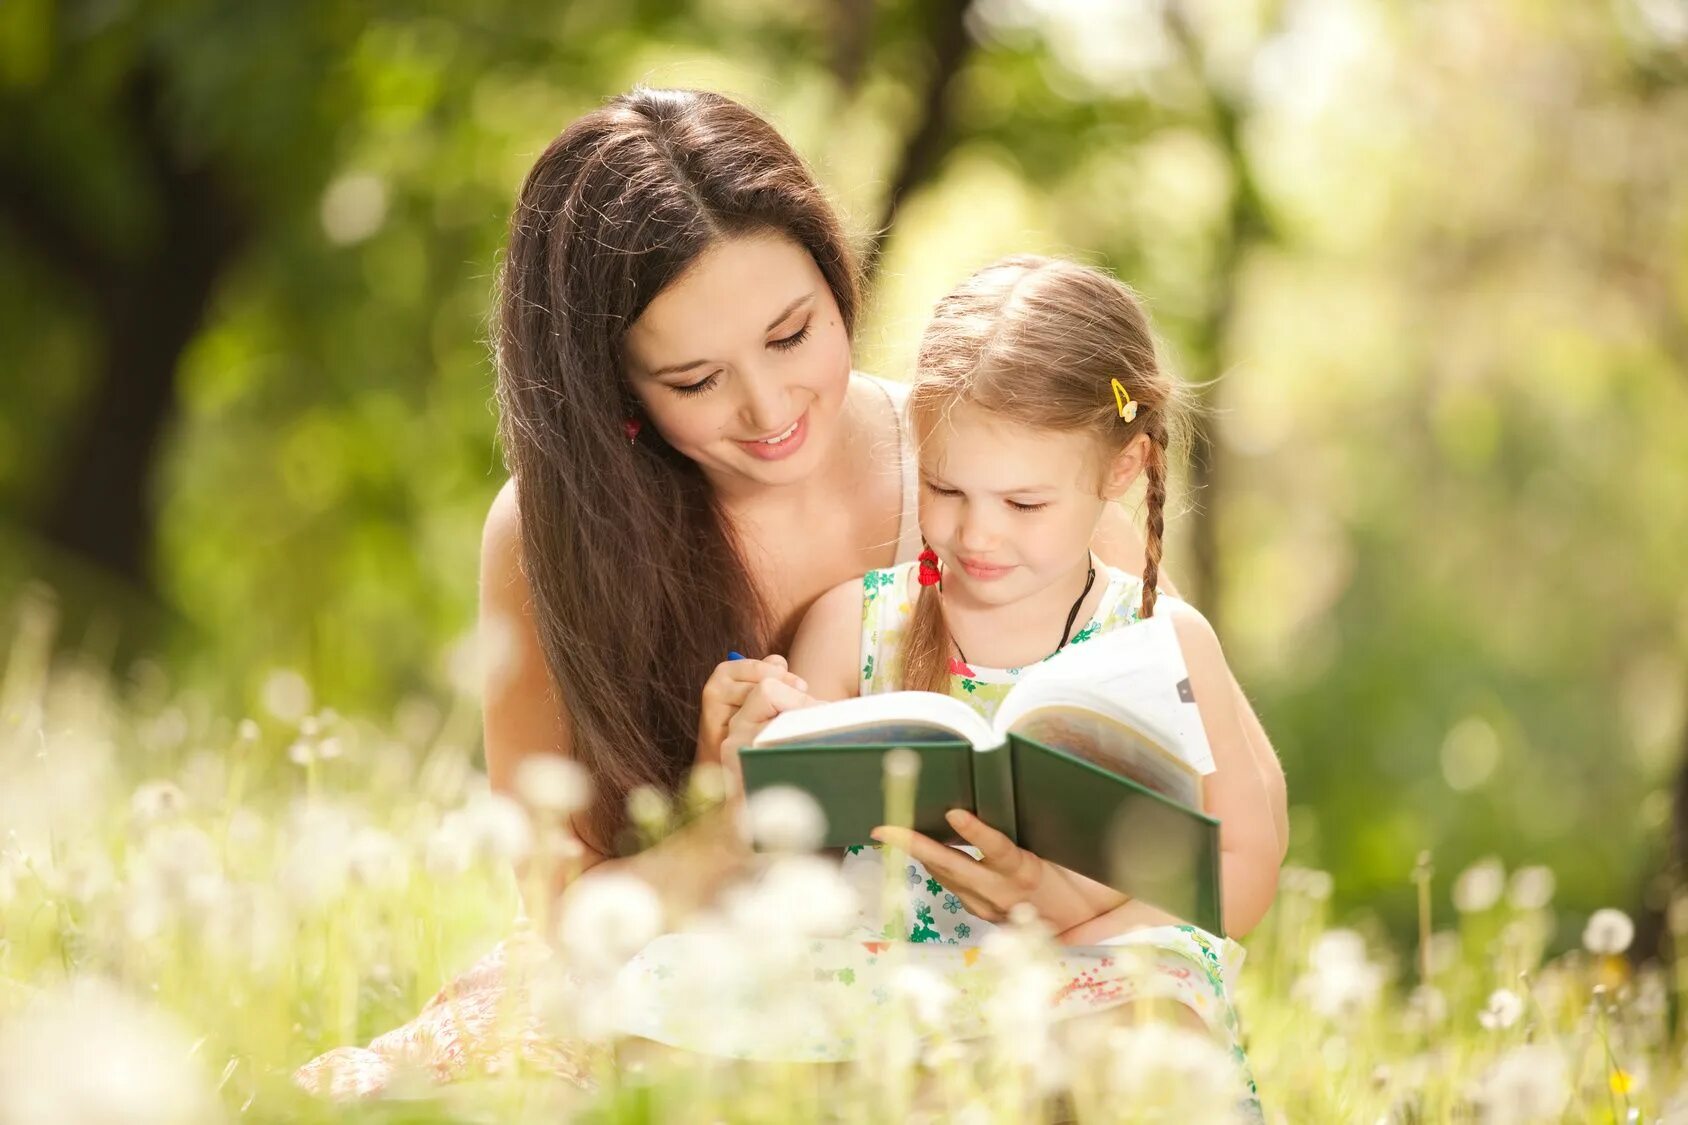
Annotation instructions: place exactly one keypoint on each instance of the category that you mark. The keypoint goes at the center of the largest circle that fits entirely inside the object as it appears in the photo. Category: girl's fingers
(997, 849)
(943, 861)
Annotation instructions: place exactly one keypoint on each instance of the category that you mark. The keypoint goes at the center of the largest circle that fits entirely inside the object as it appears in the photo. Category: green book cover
(1093, 764)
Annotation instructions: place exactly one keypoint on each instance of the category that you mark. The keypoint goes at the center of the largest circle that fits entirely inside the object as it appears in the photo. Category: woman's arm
(522, 715)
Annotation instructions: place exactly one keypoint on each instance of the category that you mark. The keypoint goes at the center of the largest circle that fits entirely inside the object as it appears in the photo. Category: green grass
(255, 891)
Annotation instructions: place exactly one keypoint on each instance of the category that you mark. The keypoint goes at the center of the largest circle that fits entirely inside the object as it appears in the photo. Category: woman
(693, 462)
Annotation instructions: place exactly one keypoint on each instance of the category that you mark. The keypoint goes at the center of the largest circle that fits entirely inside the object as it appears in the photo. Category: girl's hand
(1005, 875)
(725, 692)
(765, 699)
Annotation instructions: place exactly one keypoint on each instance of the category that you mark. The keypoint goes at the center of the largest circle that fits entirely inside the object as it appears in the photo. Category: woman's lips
(785, 447)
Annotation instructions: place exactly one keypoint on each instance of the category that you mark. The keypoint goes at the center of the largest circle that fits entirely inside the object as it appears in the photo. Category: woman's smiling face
(743, 363)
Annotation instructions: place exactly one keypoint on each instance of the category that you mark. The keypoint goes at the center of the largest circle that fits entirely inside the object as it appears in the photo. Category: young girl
(1037, 402)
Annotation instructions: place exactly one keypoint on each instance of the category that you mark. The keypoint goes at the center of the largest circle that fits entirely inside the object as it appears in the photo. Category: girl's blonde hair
(1038, 342)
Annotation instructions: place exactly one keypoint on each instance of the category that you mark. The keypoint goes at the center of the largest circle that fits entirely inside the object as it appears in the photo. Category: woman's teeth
(777, 438)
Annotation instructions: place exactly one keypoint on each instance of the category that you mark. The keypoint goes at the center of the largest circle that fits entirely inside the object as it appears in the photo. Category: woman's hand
(1004, 876)
(765, 699)
(724, 694)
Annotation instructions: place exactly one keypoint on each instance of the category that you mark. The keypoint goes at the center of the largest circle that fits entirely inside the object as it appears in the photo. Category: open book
(1094, 761)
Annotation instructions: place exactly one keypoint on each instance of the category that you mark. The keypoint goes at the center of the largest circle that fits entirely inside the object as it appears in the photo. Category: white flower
(798, 896)
(1479, 886)
(500, 826)
(1427, 1008)
(1502, 1011)
(155, 802)
(88, 1054)
(451, 847)
(1531, 888)
(708, 783)
(784, 818)
(315, 873)
(378, 861)
(286, 695)
(1608, 932)
(1340, 981)
(606, 918)
(1527, 1084)
(647, 807)
(553, 784)
(1169, 1073)
(927, 993)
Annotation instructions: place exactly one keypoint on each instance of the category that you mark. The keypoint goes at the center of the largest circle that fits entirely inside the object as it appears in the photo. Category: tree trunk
(146, 310)
(925, 148)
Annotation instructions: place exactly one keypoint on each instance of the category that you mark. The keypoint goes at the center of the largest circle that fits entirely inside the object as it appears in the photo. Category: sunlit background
(1428, 260)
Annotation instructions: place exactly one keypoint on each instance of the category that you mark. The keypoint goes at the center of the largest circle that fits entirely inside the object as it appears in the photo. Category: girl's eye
(1028, 507)
(786, 343)
(698, 387)
(936, 491)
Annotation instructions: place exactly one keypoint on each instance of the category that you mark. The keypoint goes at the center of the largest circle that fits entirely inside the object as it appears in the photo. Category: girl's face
(743, 363)
(1010, 509)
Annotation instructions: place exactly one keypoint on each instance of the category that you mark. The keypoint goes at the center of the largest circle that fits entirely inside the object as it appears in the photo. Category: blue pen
(735, 656)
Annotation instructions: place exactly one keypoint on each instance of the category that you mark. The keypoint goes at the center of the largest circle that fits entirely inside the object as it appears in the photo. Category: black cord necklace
(1072, 616)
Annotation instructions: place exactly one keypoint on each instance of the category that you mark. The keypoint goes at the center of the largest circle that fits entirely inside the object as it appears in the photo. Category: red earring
(929, 575)
(631, 427)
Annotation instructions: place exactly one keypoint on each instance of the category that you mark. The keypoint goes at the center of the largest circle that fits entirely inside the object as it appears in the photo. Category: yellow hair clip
(1122, 399)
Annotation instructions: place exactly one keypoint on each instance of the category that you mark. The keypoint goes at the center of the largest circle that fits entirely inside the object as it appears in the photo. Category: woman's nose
(764, 408)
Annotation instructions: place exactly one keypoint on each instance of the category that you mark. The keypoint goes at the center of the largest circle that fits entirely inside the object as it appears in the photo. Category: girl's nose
(977, 531)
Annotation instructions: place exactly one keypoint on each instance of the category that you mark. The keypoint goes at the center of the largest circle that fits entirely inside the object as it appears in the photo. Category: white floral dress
(835, 994)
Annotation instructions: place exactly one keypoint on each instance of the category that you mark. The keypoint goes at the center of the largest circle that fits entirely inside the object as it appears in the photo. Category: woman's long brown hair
(1038, 342)
(639, 587)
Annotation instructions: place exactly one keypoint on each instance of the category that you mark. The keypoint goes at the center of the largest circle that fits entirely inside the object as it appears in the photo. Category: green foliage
(1447, 496)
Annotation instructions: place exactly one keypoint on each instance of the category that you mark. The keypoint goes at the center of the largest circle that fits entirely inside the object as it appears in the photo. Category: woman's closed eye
(698, 387)
(786, 343)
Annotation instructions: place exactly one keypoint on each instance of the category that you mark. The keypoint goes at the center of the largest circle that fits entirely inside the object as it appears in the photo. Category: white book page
(908, 717)
(1136, 675)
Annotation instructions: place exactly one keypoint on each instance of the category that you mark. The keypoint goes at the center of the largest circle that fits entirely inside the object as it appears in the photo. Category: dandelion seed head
(89, 1054)
(1479, 886)
(928, 994)
(155, 802)
(647, 806)
(1531, 888)
(902, 764)
(1173, 1073)
(1527, 1084)
(1608, 933)
(286, 695)
(784, 818)
(378, 861)
(708, 783)
(501, 828)
(1427, 1009)
(605, 919)
(553, 784)
(1502, 1011)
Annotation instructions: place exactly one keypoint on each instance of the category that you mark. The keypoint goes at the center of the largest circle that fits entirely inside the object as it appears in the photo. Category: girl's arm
(1117, 543)
(827, 649)
(1236, 793)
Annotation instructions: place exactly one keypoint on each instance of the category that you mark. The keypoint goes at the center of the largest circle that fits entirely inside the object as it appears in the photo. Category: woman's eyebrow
(785, 312)
(678, 368)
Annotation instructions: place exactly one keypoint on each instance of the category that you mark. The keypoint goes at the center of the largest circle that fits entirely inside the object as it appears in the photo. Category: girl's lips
(983, 570)
(779, 451)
